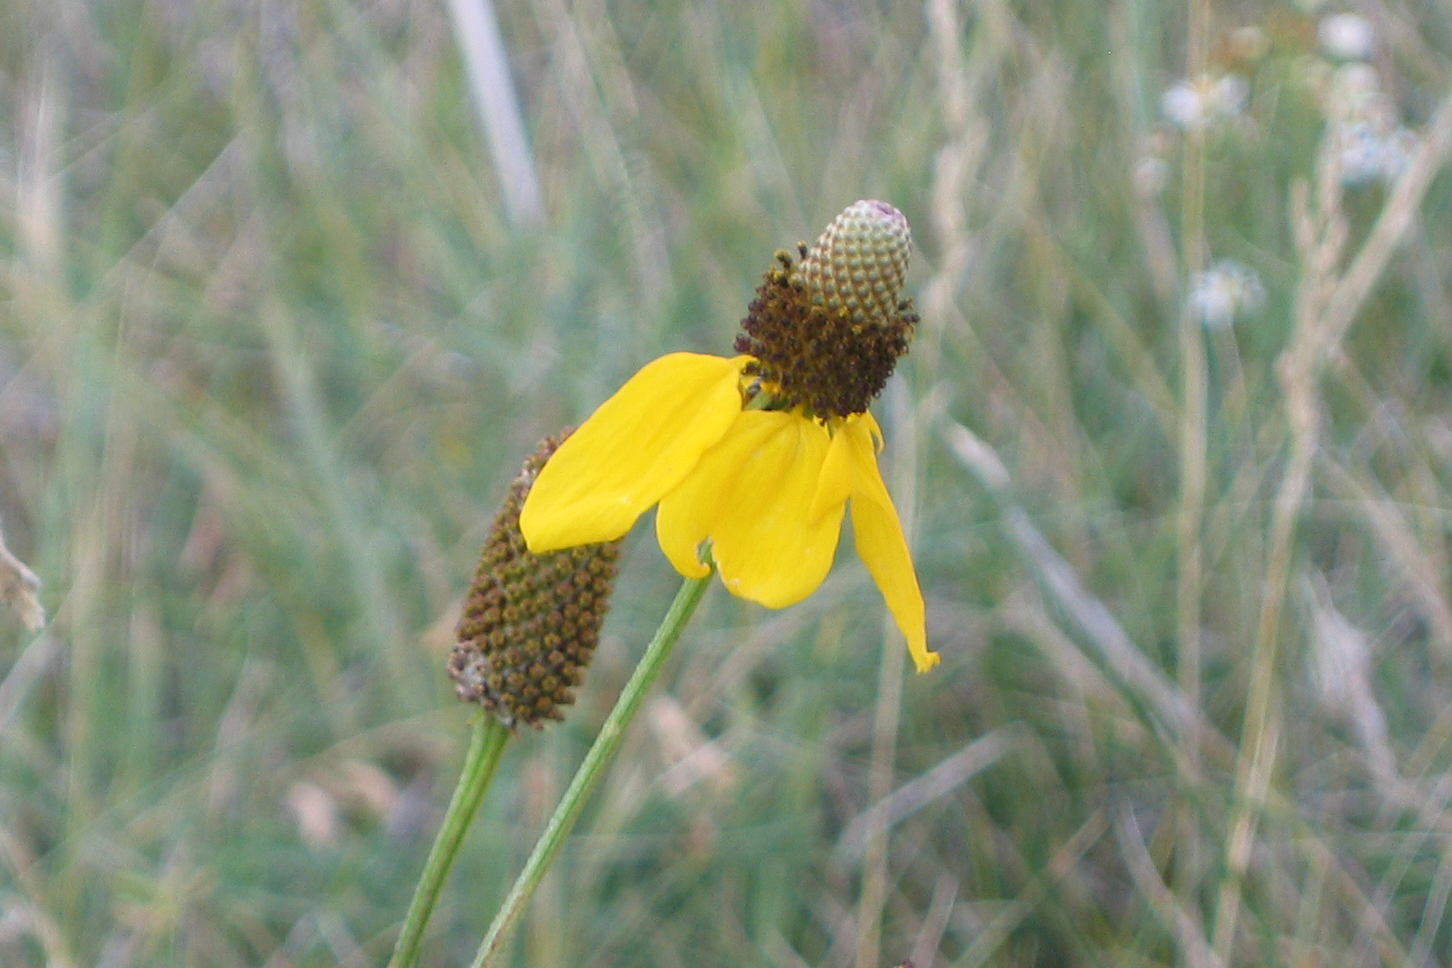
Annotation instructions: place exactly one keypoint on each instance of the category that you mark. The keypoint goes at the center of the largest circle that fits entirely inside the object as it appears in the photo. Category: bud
(827, 329)
(531, 622)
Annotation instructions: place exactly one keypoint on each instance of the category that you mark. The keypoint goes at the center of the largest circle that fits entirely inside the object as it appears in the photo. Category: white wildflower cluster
(1206, 103)
(1363, 123)
(1225, 291)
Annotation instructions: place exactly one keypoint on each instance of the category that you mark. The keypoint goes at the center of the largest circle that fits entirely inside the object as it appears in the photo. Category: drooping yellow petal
(637, 446)
(751, 494)
(834, 484)
(839, 469)
(880, 541)
(870, 422)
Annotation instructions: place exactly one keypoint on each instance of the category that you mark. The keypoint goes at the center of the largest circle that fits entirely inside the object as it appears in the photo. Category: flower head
(1224, 292)
(825, 333)
(531, 621)
(757, 457)
(1346, 36)
(1206, 102)
(1364, 126)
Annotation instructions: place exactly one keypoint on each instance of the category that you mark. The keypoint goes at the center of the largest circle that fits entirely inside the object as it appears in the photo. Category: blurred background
(289, 288)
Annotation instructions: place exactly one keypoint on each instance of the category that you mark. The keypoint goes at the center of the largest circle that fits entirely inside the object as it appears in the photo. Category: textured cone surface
(827, 329)
(859, 263)
(531, 622)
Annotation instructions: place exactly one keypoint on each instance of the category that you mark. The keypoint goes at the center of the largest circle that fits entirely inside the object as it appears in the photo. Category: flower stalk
(606, 744)
(486, 746)
(527, 633)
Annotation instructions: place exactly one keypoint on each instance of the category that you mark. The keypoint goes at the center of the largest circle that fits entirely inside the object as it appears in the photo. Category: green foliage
(271, 348)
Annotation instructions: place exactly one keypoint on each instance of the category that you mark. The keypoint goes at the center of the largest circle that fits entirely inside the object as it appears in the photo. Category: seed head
(531, 622)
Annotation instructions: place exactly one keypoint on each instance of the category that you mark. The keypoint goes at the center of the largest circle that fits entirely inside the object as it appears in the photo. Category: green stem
(485, 749)
(606, 744)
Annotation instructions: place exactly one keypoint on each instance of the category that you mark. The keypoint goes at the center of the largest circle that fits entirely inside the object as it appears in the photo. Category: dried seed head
(828, 328)
(531, 622)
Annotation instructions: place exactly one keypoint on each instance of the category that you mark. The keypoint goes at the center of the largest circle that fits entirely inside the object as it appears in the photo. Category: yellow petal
(839, 470)
(750, 494)
(834, 484)
(870, 422)
(880, 541)
(637, 446)
(686, 514)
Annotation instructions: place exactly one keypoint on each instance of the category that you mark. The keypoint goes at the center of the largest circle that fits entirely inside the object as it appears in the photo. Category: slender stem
(1194, 406)
(601, 753)
(485, 748)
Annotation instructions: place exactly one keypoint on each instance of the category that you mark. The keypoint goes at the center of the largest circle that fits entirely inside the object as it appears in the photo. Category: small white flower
(1364, 127)
(1183, 107)
(1360, 152)
(1225, 291)
(1368, 152)
(1197, 105)
(1228, 95)
(1347, 36)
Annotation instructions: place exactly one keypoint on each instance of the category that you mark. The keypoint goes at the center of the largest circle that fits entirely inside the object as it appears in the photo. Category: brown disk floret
(827, 329)
(531, 622)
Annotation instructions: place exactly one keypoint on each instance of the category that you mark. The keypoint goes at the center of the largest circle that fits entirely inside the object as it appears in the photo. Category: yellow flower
(759, 454)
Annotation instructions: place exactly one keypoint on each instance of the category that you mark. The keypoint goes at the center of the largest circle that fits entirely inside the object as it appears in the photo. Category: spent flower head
(754, 460)
(531, 621)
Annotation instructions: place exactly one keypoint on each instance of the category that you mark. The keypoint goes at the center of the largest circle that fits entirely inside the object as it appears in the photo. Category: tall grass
(272, 343)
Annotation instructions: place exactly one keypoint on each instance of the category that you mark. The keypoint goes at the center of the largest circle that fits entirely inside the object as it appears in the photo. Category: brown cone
(531, 622)
(827, 329)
